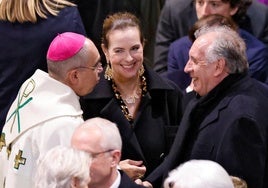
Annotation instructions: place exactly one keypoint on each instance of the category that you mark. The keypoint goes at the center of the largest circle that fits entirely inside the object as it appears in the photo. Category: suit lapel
(214, 115)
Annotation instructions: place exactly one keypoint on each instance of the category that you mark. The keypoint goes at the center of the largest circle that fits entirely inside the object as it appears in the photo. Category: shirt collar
(117, 181)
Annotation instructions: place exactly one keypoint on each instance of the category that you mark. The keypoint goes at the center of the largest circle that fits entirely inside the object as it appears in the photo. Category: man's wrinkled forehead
(202, 42)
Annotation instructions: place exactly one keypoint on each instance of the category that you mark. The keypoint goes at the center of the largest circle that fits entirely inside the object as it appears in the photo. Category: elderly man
(47, 110)
(227, 120)
(178, 16)
(101, 138)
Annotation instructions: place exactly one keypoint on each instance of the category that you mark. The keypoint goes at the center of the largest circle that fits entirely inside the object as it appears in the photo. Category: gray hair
(58, 167)
(199, 173)
(111, 138)
(59, 69)
(228, 45)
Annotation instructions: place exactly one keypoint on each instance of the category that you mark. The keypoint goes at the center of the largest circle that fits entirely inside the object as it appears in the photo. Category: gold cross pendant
(19, 160)
(2, 141)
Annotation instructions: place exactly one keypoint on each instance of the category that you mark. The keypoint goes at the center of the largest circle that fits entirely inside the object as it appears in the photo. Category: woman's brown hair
(120, 20)
(210, 21)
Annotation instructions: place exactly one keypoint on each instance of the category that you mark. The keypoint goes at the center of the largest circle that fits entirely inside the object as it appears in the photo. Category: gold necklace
(132, 99)
(122, 103)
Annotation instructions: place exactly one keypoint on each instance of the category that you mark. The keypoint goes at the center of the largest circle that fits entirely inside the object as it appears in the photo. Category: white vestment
(44, 114)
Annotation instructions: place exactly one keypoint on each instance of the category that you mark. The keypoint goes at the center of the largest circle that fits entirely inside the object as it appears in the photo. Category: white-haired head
(198, 173)
(63, 167)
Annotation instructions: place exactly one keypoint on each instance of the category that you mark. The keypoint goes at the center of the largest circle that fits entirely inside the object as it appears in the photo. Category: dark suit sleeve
(243, 151)
(258, 14)
(257, 54)
(258, 64)
(176, 18)
(157, 177)
(164, 36)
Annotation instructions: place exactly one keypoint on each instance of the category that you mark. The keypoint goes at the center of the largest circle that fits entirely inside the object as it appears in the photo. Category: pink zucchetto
(65, 46)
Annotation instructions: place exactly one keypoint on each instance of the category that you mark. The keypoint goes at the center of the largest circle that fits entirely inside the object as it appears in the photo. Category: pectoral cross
(19, 160)
(2, 141)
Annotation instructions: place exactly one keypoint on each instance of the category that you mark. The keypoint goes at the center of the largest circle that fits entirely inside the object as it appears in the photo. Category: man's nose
(205, 10)
(188, 66)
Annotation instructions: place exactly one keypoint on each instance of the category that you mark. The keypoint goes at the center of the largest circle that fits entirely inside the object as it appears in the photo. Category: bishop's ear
(73, 77)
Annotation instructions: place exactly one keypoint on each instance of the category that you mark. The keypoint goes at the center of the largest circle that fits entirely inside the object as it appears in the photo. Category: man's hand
(134, 169)
(143, 183)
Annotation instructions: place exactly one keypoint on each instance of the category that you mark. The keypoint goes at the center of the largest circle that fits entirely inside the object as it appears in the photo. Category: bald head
(96, 133)
(74, 60)
(100, 138)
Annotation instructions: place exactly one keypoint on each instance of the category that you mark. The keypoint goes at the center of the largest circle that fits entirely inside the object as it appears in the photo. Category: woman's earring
(108, 72)
(141, 71)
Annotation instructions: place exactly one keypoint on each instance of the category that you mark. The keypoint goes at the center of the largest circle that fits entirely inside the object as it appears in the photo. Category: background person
(26, 32)
(198, 173)
(101, 138)
(146, 107)
(178, 16)
(47, 110)
(63, 167)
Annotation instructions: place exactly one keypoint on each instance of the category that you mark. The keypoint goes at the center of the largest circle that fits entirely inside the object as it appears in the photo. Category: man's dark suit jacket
(231, 131)
(178, 16)
(126, 182)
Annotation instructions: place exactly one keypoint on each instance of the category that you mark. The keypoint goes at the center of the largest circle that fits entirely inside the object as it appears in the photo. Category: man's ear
(74, 182)
(220, 67)
(116, 154)
(73, 77)
(234, 10)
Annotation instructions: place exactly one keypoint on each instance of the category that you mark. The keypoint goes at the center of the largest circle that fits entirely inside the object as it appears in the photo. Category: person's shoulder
(181, 42)
(248, 91)
(178, 5)
(261, 87)
(68, 14)
(69, 9)
(258, 15)
(251, 40)
(158, 82)
(258, 8)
